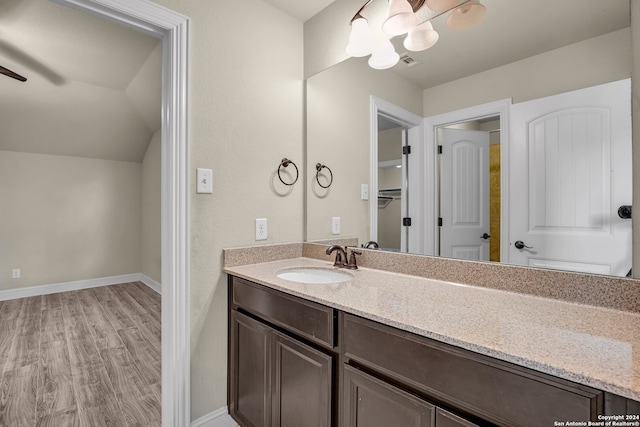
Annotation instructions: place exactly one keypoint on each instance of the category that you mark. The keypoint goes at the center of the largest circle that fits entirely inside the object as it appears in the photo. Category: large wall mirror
(531, 109)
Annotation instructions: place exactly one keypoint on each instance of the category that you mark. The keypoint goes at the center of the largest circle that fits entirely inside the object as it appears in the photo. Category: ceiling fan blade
(10, 73)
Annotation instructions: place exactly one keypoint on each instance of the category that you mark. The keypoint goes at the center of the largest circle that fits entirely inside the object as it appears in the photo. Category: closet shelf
(388, 195)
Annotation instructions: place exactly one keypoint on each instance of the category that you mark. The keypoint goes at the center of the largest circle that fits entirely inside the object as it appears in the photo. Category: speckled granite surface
(262, 253)
(591, 289)
(590, 345)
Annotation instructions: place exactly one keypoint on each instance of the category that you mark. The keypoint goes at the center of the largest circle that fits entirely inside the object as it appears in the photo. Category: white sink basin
(314, 275)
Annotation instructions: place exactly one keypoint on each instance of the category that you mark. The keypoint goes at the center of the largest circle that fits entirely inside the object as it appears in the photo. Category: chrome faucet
(341, 255)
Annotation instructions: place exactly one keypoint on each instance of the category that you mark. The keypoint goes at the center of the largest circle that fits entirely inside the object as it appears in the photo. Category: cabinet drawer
(493, 390)
(307, 319)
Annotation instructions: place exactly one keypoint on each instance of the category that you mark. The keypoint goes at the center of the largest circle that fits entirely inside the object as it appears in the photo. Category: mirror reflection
(535, 159)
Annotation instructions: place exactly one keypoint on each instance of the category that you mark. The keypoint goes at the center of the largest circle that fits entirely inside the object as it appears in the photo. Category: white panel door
(569, 172)
(464, 194)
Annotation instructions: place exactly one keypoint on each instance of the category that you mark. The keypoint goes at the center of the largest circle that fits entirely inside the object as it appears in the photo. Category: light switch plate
(204, 179)
(364, 192)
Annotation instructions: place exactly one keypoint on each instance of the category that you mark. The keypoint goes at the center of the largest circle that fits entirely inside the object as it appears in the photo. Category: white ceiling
(511, 30)
(93, 87)
(301, 9)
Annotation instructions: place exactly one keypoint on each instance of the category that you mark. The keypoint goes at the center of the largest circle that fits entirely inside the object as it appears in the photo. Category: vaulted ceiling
(93, 87)
(92, 90)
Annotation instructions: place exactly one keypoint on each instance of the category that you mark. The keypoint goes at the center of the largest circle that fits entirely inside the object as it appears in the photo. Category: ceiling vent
(409, 61)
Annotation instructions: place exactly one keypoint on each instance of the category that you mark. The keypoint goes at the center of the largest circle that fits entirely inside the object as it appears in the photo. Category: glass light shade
(400, 18)
(466, 16)
(421, 38)
(441, 5)
(360, 39)
(384, 55)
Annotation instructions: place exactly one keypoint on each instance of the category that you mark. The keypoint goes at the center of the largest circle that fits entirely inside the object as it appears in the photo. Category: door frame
(173, 28)
(379, 106)
(429, 163)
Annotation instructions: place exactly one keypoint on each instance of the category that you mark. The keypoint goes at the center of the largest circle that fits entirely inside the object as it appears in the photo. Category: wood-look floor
(82, 358)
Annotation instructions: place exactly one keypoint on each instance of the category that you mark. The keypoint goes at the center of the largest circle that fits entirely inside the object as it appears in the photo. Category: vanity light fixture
(467, 15)
(402, 17)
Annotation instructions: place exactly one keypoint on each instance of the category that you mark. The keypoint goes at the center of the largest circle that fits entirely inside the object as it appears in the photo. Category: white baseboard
(151, 283)
(76, 285)
(219, 418)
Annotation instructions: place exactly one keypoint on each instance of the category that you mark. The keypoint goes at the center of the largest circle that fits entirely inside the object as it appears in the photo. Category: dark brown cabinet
(301, 384)
(296, 363)
(370, 402)
(276, 379)
(482, 387)
(250, 374)
(447, 419)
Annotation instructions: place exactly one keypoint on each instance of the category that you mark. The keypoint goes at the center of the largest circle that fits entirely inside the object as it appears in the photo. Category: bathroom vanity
(392, 350)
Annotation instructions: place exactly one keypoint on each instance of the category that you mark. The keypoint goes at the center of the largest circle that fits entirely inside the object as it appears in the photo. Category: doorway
(469, 165)
(490, 116)
(173, 29)
(405, 130)
(391, 180)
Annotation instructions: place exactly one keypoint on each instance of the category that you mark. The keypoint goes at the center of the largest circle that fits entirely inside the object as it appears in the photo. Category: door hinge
(406, 149)
(439, 222)
(406, 222)
(439, 149)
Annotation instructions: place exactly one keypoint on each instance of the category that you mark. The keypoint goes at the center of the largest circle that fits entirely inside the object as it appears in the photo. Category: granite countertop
(593, 346)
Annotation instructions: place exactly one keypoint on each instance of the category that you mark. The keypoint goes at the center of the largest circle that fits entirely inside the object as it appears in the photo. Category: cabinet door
(370, 402)
(249, 371)
(447, 419)
(301, 386)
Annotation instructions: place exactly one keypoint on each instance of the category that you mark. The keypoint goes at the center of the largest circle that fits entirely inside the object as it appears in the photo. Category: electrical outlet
(261, 228)
(335, 225)
(15, 273)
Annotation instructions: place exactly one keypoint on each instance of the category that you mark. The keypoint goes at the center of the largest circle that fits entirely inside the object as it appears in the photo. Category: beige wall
(150, 227)
(591, 62)
(325, 35)
(67, 218)
(338, 135)
(246, 79)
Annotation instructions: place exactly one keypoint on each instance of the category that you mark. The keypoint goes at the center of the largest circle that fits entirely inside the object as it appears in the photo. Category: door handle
(624, 212)
(520, 245)
(485, 236)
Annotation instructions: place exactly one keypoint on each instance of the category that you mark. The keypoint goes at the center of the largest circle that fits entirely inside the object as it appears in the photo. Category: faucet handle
(353, 265)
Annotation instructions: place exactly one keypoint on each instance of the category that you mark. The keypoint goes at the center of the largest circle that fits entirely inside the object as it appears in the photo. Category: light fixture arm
(358, 15)
(415, 5)
(402, 18)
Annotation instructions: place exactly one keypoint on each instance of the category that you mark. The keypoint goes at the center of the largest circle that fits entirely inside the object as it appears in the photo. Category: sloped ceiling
(301, 9)
(93, 88)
